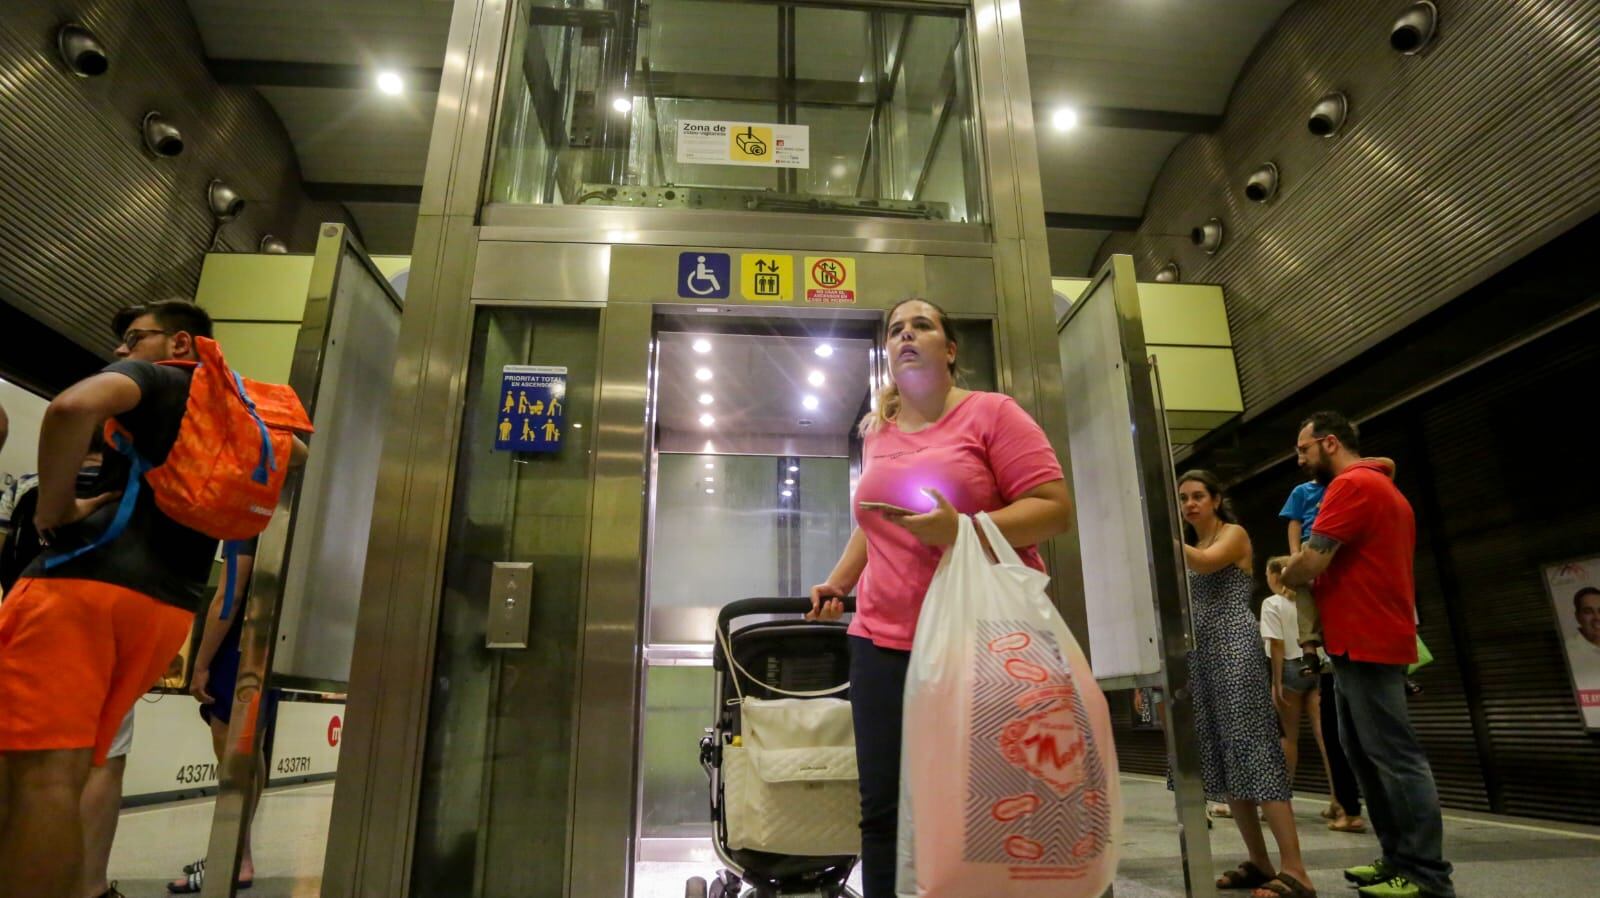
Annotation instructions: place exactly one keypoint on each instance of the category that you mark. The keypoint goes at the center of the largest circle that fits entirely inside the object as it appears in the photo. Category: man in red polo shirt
(1360, 557)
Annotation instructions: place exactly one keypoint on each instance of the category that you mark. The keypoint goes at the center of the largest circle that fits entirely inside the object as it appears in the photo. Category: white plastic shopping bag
(1007, 751)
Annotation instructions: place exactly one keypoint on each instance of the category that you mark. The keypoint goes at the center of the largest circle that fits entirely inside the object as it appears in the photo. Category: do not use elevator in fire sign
(532, 411)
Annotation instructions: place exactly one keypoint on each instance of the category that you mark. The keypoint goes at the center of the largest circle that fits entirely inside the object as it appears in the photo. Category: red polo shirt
(1367, 597)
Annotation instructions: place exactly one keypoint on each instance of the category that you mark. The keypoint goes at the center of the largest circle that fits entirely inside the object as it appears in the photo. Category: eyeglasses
(132, 337)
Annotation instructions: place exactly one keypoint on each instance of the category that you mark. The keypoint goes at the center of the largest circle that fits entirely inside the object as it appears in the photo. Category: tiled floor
(1494, 857)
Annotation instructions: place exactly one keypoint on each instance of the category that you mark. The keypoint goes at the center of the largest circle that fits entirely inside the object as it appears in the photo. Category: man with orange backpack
(96, 619)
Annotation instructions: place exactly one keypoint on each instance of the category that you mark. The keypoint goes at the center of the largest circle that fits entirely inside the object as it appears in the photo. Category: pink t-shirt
(981, 455)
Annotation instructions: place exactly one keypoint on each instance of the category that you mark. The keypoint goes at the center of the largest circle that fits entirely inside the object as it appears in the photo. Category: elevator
(691, 216)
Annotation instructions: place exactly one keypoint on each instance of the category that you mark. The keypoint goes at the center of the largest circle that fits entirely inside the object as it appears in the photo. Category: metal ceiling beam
(275, 73)
(331, 192)
(1077, 221)
(1136, 119)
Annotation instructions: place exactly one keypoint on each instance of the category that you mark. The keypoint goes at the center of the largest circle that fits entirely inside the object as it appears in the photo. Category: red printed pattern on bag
(1036, 798)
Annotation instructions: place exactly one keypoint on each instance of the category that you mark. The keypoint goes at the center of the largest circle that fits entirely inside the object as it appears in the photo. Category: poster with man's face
(1574, 588)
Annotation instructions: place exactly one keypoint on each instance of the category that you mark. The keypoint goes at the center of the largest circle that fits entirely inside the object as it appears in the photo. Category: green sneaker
(1393, 887)
(1369, 874)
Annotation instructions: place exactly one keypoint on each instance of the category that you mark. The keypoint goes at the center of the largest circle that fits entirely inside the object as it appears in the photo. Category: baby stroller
(775, 657)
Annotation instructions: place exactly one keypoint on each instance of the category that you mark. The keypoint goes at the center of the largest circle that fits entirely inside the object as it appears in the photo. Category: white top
(1279, 620)
(1584, 656)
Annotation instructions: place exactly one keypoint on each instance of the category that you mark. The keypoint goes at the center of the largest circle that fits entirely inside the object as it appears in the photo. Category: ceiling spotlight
(1208, 236)
(709, 466)
(707, 399)
(810, 403)
(225, 203)
(1170, 273)
(825, 350)
(702, 374)
(1064, 119)
(702, 346)
(788, 493)
(81, 51)
(160, 137)
(1262, 184)
(706, 420)
(622, 105)
(794, 469)
(1328, 116)
(788, 481)
(711, 480)
(710, 491)
(816, 379)
(1414, 30)
(391, 83)
(272, 245)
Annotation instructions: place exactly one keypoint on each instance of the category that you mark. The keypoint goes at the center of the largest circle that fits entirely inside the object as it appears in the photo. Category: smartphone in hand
(887, 508)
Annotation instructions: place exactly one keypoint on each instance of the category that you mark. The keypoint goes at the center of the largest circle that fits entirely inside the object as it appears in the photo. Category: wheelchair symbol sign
(704, 275)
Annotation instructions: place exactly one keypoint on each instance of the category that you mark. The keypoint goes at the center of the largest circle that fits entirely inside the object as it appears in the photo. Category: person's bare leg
(41, 848)
(1314, 711)
(1244, 817)
(101, 805)
(1280, 818)
(1289, 717)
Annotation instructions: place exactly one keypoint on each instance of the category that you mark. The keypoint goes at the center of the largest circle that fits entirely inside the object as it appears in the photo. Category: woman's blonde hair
(887, 407)
(1276, 566)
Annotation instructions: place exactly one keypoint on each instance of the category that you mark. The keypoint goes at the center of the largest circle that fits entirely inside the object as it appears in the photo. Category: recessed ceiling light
(789, 482)
(706, 420)
(391, 83)
(702, 374)
(788, 493)
(1064, 118)
(794, 469)
(622, 104)
(707, 399)
(825, 350)
(702, 346)
(810, 403)
(816, 379)
(711, 480)
(710, 466)
(710, 491)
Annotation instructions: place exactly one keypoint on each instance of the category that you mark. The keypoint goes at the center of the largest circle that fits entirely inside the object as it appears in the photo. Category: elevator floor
(1501, 857)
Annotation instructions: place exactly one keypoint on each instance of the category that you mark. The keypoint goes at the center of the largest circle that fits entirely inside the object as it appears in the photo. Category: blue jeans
(1402, 800)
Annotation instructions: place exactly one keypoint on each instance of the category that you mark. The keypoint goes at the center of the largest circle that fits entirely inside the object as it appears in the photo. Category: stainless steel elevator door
(496, 796)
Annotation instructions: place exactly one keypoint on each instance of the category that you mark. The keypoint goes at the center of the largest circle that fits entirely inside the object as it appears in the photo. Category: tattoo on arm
(1322, 543)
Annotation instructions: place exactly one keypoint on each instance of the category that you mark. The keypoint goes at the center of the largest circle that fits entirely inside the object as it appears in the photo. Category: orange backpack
(226, 468)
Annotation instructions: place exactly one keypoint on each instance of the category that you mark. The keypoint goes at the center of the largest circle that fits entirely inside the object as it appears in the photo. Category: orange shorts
(74, 657)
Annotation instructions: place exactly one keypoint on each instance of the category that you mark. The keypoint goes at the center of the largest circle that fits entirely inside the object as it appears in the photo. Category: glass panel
(493, 810)
(677, 711)
(593, 119)
(975, 360)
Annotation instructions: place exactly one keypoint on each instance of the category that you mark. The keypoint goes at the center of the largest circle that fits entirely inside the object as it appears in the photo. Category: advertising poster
(1574, 589)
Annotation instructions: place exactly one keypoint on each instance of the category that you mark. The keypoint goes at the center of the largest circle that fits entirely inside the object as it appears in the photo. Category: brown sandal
(1245, 876)
(1348, 825)
(1284, 886)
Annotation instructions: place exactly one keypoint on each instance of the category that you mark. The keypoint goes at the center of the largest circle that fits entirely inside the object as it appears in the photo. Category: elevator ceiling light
(706, 420)
(709, 466)
(707, 399)
(391, 83)
(794, 469)
(702, 346)
(816, 379)
(810, 403)
(825, 350)
(788, 481)
(788, 493)
(711, 480)
(1064, 119)
(702, 374)
(622, 105)
(710, 491)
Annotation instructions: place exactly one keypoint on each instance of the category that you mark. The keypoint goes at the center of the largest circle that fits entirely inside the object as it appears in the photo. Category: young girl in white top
(1294, 688)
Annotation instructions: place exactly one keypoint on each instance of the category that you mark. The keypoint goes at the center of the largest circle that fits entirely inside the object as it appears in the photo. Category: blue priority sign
(532, 413)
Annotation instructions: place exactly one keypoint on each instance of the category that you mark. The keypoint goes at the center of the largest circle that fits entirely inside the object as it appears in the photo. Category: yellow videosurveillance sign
(703, 142)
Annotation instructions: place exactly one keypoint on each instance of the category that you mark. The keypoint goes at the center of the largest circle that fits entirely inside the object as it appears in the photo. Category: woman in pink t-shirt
(933, 452)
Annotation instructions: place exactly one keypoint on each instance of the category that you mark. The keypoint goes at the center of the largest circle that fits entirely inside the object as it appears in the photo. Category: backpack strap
(230, 552)
(268, 461)
(130, 498)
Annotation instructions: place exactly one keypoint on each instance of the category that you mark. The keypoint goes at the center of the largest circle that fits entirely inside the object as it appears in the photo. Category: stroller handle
(745, 607)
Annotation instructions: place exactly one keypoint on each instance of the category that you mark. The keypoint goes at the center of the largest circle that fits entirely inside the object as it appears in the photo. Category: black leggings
(877, 702)
(1345, 790)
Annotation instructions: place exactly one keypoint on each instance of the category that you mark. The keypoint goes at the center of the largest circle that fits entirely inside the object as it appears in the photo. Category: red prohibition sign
(828, 272)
